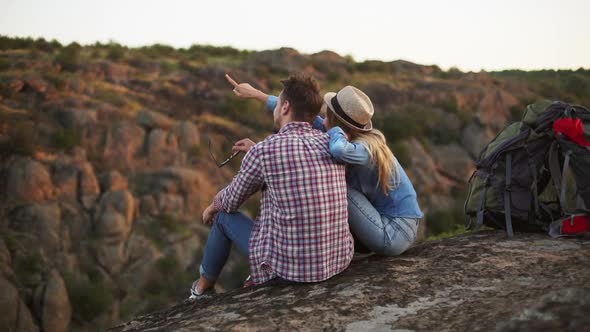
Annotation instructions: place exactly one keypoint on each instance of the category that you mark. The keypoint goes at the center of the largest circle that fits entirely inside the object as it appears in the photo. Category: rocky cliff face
(105, 166)
(475, 282)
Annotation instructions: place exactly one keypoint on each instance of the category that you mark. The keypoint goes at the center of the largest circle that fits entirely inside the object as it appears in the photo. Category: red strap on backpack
(572, 225)
(572, 129)
(576, 224)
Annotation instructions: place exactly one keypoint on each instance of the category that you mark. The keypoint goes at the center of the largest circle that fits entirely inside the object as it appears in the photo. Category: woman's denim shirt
(363, 176)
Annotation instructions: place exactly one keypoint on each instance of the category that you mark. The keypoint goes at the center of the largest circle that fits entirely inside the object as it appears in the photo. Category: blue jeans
(227, 228)
(384, 235)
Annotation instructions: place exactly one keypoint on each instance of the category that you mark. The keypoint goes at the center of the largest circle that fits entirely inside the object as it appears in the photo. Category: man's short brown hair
(303, 93)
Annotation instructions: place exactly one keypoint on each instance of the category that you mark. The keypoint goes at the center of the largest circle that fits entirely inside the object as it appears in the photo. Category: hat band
(340, 112)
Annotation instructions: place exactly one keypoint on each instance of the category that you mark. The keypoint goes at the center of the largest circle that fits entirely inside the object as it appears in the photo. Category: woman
(383, 209)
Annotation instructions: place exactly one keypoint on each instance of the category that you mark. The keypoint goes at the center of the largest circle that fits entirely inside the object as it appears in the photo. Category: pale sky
(469, 34)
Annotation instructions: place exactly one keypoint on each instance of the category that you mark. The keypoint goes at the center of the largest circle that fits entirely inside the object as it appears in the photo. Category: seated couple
(320, 179)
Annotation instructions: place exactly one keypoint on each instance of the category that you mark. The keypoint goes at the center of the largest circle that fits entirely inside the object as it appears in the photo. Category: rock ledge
(479, 281)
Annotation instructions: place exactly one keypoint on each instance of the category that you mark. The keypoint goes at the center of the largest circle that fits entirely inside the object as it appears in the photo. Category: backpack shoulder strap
(558, 174)
(507, 198)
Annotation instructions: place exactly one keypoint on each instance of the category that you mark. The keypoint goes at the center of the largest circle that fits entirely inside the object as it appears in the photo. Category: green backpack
(510, 187)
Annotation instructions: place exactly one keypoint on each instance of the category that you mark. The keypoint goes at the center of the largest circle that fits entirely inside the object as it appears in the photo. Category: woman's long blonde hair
(381, 155)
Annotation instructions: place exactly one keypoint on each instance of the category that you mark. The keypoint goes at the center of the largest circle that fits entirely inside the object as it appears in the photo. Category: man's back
(301, 232)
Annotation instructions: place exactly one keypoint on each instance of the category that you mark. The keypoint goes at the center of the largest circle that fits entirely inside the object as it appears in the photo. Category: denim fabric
(228, 228)
(385, 235)
(363, 176)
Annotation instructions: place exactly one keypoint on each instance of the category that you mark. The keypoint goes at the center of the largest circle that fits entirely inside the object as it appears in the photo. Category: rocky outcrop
(113, 220)
(151, 120)
(28, 181)
(89, 188)
(52, 304)
(15, 314)
(454, 162)
(43, 221)
(476, 282)
(284, 60)
(475, 138)
(113, 181)
(124, 142)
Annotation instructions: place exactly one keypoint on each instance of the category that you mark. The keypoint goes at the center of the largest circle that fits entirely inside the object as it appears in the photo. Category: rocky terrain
(474, 282)
(105, 166)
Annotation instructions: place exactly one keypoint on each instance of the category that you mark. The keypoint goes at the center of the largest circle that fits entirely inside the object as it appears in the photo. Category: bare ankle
(204, 284)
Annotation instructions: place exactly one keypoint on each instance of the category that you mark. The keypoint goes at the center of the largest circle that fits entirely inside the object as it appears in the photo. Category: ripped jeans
(384, 235)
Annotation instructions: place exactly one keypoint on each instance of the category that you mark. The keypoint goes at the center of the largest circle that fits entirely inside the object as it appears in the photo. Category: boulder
(142, 254)
(188, 184)
(151, 120)
(148, 206)
(422, 168)
(331, 64)
(28, 181)
(16, 86)
(480, 281)
(113, 221)
(116, 73)
(42, 221)
(188, 135)
(113, 181)
(36, 84)
(52, 304)
(284, 60)
(169, 204)
(15, 314)
(89, 189)
(114, 215)
(494, 108)
(454, 162)
(65, 179)
(162, 148)
(111, 256)
(475, 138)
(124, 142)
(75, 119)
(5, 257)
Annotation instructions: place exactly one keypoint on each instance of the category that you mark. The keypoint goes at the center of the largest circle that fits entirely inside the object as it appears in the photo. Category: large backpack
(511, 189)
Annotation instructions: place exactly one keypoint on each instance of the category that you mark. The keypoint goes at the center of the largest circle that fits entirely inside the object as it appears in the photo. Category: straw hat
(351, 106)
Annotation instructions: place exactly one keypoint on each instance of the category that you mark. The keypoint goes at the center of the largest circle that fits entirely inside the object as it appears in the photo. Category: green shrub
(5, 64)
(8, 43)
(66, 139)
(445, 220)
(216, 51)
(89, 298)
(21, 139)
(451, 74)
(373, 66)
(166, 283)
(42, 45)
(29, 267)
(449, 104)
(400, 151)
(116, 52)
(69, 56)
(459, 229)
(157, 50)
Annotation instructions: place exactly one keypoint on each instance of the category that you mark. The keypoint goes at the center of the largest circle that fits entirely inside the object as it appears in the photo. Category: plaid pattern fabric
(301, 232)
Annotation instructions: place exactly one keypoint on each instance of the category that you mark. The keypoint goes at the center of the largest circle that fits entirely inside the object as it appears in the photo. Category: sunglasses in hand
(223, 163)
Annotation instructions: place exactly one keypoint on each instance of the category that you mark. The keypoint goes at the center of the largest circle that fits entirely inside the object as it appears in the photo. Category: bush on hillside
(69, 56)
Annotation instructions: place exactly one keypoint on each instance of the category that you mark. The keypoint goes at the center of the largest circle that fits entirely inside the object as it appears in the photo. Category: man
(301, 233)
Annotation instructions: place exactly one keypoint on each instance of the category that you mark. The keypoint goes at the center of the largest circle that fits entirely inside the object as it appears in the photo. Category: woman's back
(399, 202)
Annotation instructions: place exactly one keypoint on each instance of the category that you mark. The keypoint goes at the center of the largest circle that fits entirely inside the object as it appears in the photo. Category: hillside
(105, 165)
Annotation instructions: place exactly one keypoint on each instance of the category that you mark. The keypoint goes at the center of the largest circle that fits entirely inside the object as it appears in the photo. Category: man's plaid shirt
(301, 232)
